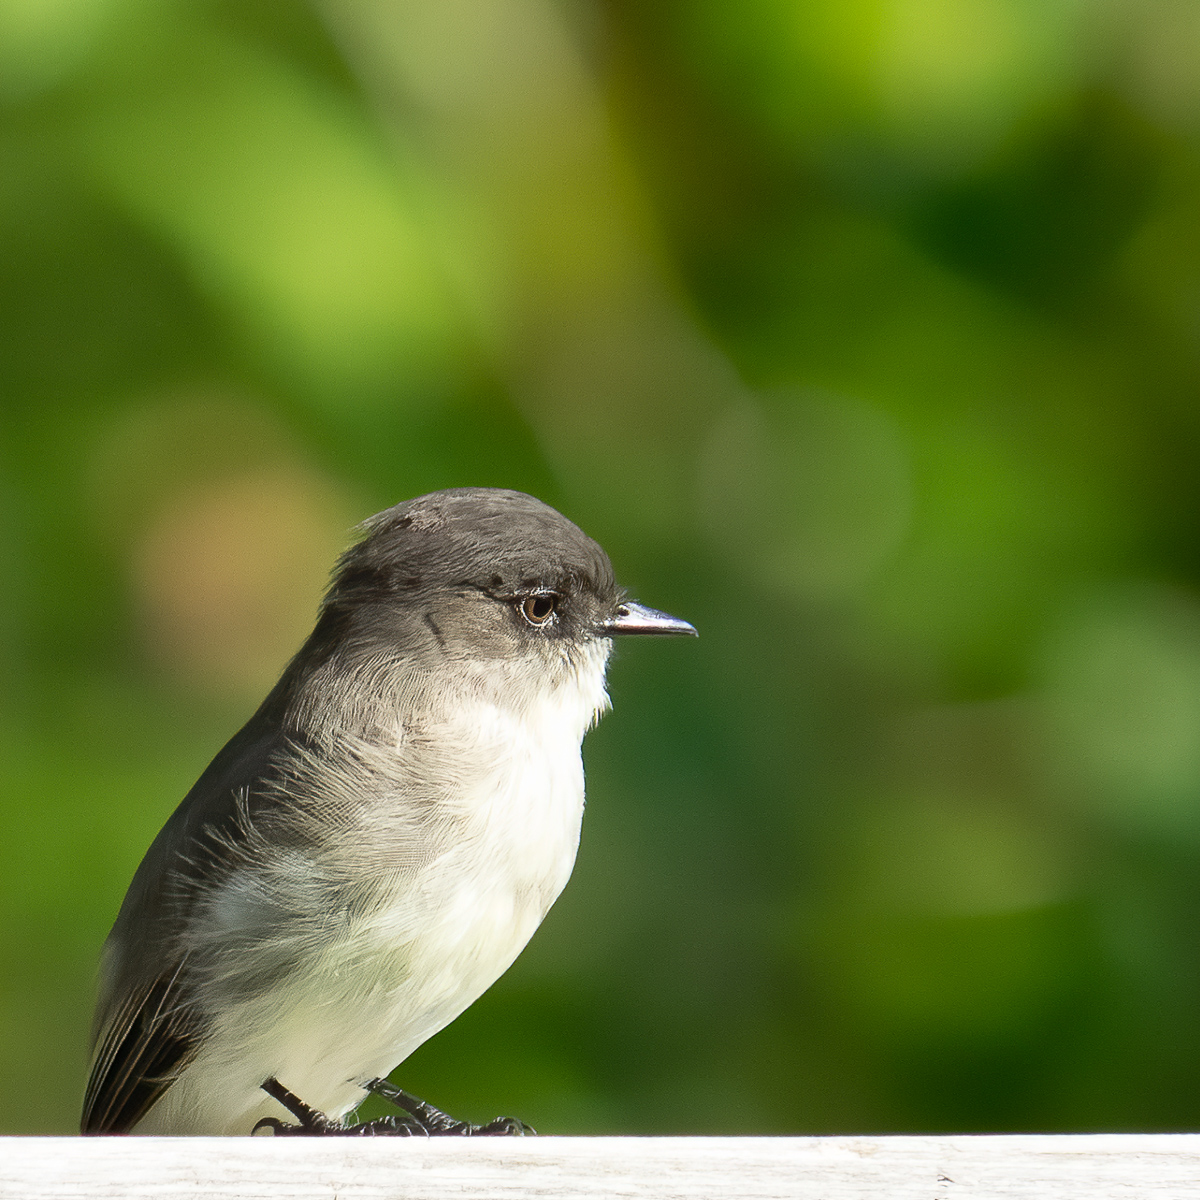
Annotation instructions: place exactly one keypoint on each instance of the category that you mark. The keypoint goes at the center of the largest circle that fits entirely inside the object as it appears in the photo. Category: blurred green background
(863, 333)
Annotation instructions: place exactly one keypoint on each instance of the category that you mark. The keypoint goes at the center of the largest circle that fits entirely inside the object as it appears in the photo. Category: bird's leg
(309, 1120)
(311, 1123)
(437, 1123)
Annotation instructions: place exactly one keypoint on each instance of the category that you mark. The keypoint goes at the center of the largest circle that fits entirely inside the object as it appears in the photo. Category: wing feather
(141, 1050)
(149, 1027)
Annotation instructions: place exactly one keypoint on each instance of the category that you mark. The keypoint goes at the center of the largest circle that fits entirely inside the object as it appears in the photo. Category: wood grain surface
(1054, 1167)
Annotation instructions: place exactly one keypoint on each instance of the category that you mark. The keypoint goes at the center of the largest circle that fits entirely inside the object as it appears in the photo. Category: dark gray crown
(502, 542)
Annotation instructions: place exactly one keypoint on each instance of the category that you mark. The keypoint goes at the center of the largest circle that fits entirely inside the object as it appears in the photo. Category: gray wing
(150, 1036)
(149, 1023)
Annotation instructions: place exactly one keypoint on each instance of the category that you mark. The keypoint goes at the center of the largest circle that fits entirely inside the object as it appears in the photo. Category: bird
(378, 843)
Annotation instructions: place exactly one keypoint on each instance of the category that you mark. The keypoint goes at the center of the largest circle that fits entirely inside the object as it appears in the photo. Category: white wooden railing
(1045, 1167)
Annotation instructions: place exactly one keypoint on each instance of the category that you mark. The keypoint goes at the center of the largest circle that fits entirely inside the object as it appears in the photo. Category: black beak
(631, 617)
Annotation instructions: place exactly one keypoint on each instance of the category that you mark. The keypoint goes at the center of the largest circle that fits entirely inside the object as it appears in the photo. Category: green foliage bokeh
(865, 334)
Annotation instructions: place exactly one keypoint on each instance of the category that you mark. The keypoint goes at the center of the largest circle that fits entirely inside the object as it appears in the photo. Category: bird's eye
(539, 608)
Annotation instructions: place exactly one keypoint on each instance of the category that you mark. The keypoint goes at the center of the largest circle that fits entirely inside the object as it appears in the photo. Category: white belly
(392, 977)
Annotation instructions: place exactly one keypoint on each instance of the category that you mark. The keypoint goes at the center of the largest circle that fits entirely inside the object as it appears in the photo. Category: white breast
(442, 931)
(519, 813)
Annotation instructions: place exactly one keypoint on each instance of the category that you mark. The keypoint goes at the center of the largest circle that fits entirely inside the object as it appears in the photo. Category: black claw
(418, 1120)
(507, 1126)
(387, 1127)
(308, 1119)
(439, 1124)
(311, 1123)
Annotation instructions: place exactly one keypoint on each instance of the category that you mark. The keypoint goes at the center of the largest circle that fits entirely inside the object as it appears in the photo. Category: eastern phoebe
(378, 843)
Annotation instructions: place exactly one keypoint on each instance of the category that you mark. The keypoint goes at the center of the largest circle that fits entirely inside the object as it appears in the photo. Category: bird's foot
(311, 1123)
(436, 1123)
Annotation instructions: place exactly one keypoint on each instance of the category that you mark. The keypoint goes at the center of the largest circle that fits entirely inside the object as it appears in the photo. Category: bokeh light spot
(1122, 694)
(229, 573)
(810, 493)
